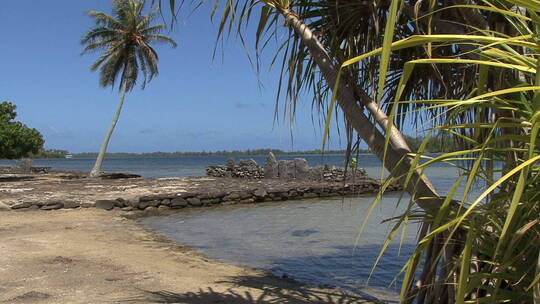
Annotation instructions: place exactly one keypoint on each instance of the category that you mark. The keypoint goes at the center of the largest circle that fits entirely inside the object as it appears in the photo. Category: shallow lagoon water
(312, 241)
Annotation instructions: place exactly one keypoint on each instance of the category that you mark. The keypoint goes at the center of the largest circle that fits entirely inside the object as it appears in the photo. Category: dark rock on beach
(105, 204)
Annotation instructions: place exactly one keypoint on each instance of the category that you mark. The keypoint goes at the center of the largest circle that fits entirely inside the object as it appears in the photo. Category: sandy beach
(97, 256)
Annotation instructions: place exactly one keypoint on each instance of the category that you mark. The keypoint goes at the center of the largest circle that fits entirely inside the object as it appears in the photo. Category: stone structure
(246, 168)
(208, 196)
(23, 166)
(271, 166)
(285, 169)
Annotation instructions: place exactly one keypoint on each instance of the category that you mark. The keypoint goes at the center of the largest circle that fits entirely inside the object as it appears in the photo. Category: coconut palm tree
(125, 41)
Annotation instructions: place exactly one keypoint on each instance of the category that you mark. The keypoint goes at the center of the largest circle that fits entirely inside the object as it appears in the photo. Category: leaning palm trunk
(394, 157)
(96, 171)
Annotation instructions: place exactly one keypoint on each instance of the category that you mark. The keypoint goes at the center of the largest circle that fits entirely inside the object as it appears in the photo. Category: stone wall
(284, 169)
(166, 201)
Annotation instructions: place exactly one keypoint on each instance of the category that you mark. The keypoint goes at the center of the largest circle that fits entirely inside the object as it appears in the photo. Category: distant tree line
(50, 153)
(434, 145)
(212, 153)
(16, 139)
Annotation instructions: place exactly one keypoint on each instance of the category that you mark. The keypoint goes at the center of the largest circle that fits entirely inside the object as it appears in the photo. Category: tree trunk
(96, 171)
(396, 160)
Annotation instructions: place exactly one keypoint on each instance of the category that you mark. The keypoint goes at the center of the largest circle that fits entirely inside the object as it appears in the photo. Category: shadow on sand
(265, 289)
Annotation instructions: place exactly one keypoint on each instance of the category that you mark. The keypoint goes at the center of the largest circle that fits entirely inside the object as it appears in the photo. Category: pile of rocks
(23, 166)
(285, 169)
(246, 168)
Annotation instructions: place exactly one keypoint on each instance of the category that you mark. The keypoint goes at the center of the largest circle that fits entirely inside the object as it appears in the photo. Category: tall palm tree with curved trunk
(125, 41)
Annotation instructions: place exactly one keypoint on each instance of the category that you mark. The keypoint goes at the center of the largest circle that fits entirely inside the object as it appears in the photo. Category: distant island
(434, 145)
(64, 153)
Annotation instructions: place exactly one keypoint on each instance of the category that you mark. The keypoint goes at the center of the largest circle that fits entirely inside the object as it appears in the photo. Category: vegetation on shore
(49, 153)
(212, 153)
(434, 145)
(16, 139)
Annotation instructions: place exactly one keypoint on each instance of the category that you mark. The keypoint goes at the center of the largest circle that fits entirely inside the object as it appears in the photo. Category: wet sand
(97, 256)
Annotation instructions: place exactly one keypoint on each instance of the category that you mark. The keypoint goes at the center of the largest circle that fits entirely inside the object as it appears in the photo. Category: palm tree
(124, 39)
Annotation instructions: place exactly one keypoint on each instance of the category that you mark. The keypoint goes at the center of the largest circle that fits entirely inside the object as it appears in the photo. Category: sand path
(96, 256)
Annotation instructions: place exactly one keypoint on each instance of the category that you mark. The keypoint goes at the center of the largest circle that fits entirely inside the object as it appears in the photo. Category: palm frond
(125, 38)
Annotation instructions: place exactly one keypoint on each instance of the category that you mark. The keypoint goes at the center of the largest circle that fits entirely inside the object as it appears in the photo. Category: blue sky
(195, 103)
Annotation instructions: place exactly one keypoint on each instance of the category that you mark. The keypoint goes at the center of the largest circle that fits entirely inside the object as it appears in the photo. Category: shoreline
(94, 256)
(71, 190)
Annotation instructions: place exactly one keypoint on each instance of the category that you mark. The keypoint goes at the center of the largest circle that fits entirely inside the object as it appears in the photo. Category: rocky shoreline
(69, 190)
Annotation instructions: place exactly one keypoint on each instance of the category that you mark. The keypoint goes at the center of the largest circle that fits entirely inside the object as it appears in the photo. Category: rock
(117, 175)
(4, 207)
(247, 201)
(247, 163)
(143, 205)
(178, 203)
(154, 203)
(151, 210)
(166, 202)
(163, 208)
(217, 171)
(218, 194)
(52, 206)
(194, 201)
(286, 169)
(186, 194)
(233, 196)
(21, 205)
(71, 204)
(271, 166)
(88, 204)
(245, 194)
(154, 197)
(210, 201)
(38, 203)
(204, 195)
(309, 195)
(132, 202)
(230, 164)
(260, 194)
(301, 168)
(105, 204)
(128, 208)
(120, 202)
(270, 159)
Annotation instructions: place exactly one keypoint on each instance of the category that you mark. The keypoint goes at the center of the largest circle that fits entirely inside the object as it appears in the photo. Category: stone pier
(57, 190)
